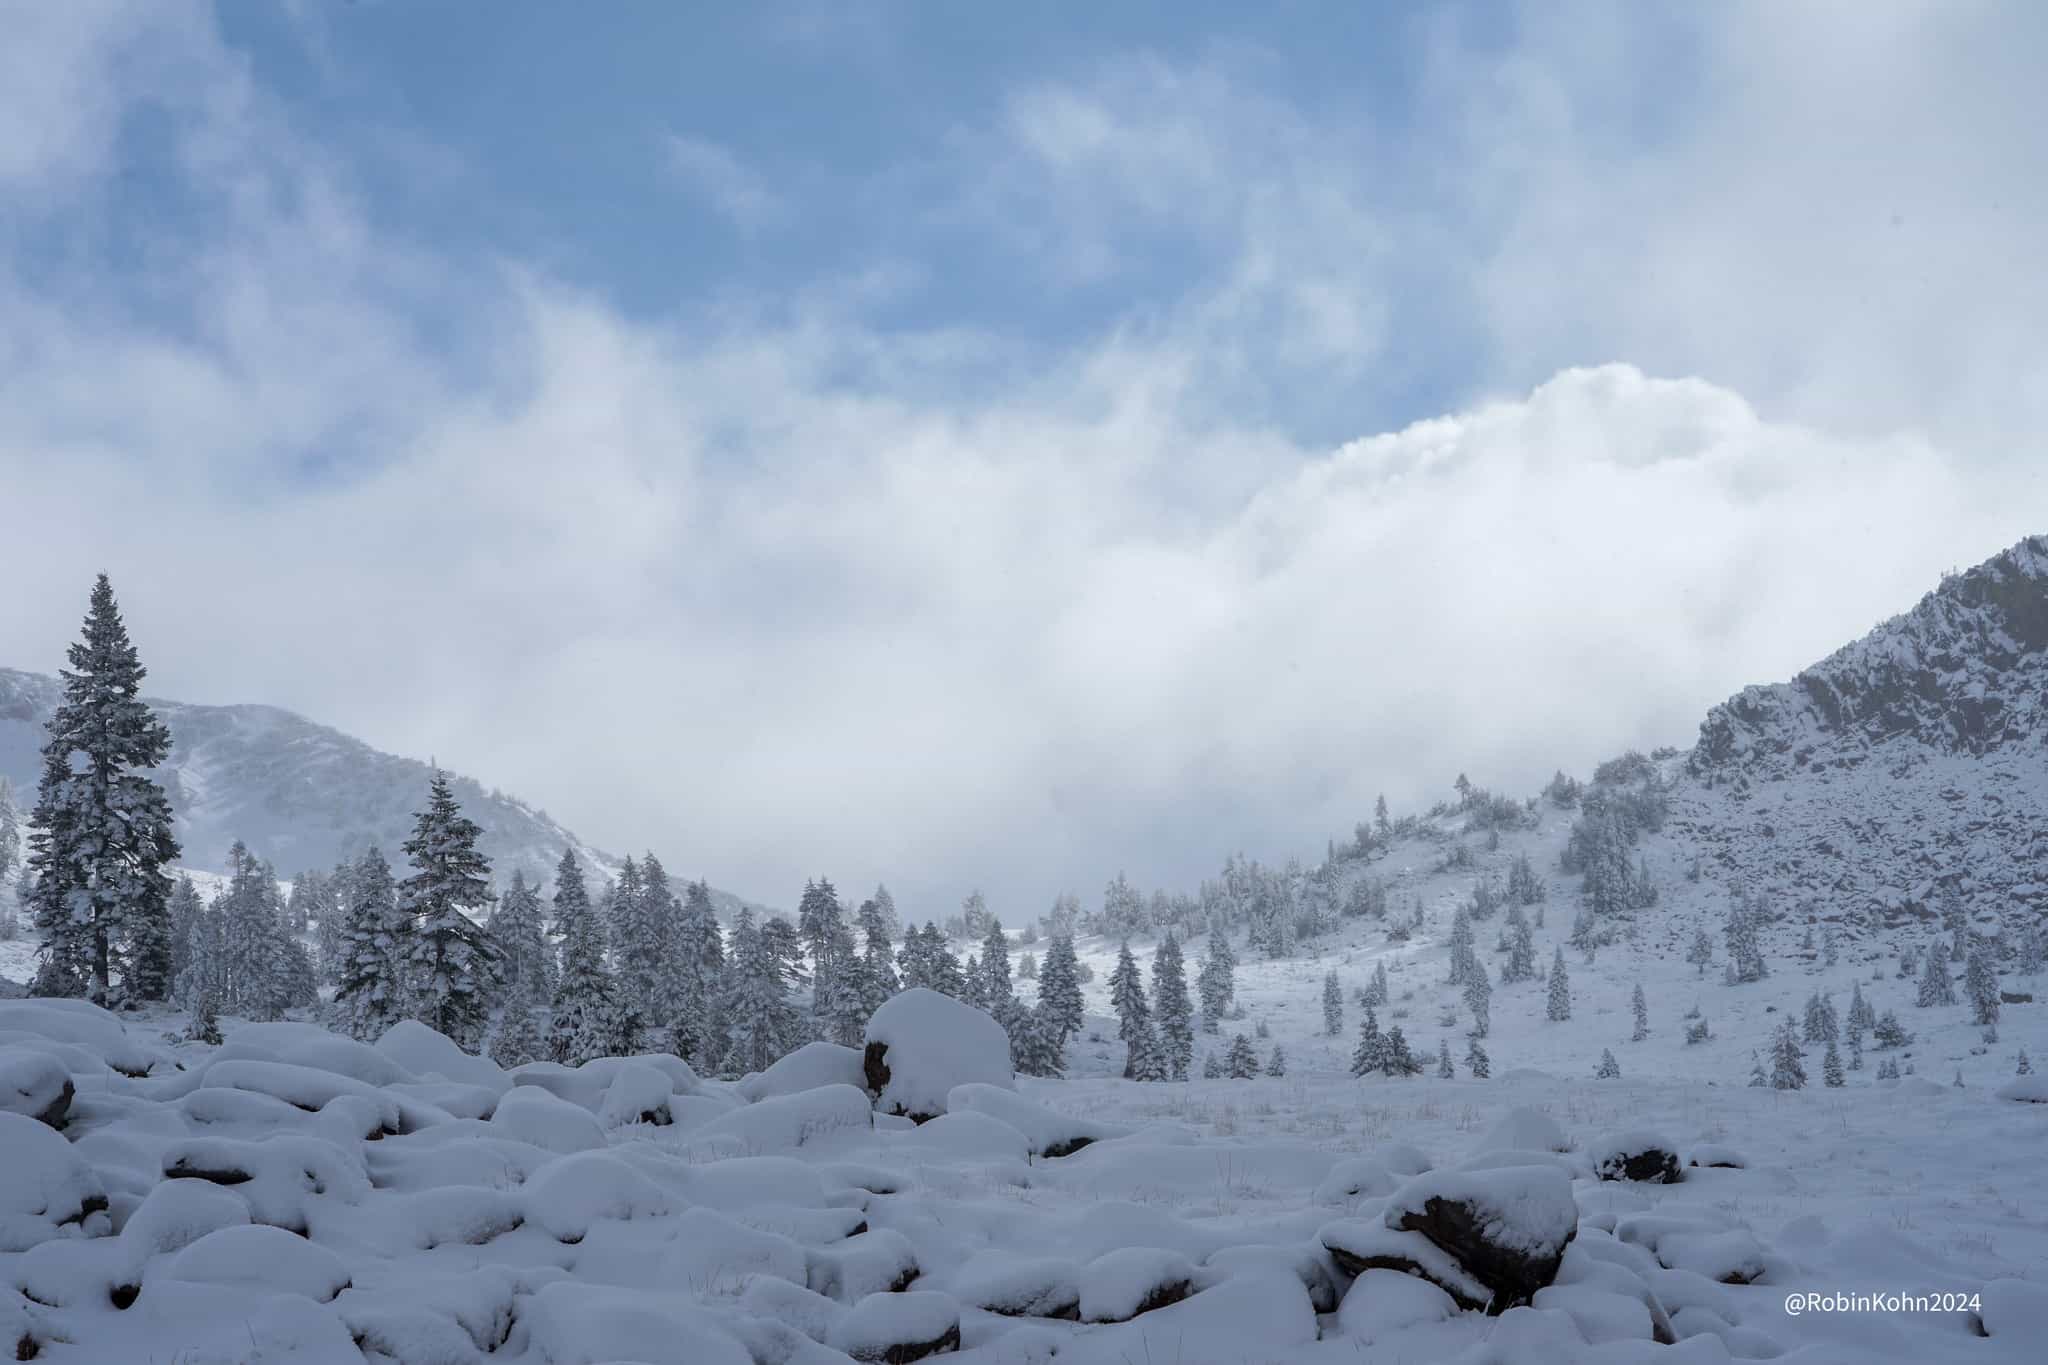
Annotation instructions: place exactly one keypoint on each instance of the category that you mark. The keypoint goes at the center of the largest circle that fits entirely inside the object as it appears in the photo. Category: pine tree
(520, 938)
(819, 923)
(1377, 993)
(205, 1026)
(1890, 1033)
(1980, 983)
(1521, 964)
(1757, 1078)
(1479, 998)
(376, 954)
(878, 975)
(1134, 1015)
(1559, 1007)
(252, 954)
(10, 839)
(1811, 1027)
(1371, 1053)
(328, 941)
(1461, 956)
(1172, 1009)
(454, 963)
(1609, 1069)
(696, 982)
(1217, 981)
(996, 987)
(1241, 1063)
(189, 945)
(2026, 1066)
(516, 1039)
(1701, 954)
(846, 995)
(1034, 1046)
(1444, 1070)
(101, 835)
(763, 1023)
(1276, 1065)
(1935, 986)
(1855, 1052)
(1333, 1006)
(585, 998)
(1476, 1061)
(1641, 1007)
(1745, 951)
(1787, 1071)
(1395, 1057)
(1212, 1065)
(1831, 1067)
(1059, 990)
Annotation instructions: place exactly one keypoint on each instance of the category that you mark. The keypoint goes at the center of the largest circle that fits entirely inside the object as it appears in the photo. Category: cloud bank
(780, 591)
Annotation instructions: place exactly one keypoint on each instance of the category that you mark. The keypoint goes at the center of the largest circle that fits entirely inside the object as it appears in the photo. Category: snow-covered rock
(1119, 1285)
(527, 1113)
(2028, 1089)
(257, 1257)
(921, 1044)
(1525, 1130)
(1507, 1228)
(810, 1066)
(1047, 1133)
(1637, 1154)
(35, 1085)
(899, 1328)
(46, 1188)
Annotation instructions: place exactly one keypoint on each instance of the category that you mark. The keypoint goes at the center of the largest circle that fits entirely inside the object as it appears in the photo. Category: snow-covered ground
(294, 1196)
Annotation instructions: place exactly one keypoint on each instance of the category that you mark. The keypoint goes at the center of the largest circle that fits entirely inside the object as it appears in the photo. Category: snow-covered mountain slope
(299, 794)
(1915, 755)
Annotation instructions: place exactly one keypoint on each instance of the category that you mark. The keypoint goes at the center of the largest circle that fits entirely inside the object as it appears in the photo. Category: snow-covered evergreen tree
(1396, 1059)
(1477, 1063)
(1889, 1032)
(1757, 1077)
(1377, 993)
(205, 1025)
(1059, 990)
(1479, 998)
(516, 1040)
(101, 834)
(586, 1000)
(1444, 1069)
(1641, 1008)
(696, 1029)
(1217, 981)
(1521, 963)
(1212, 1065)
(1173, 1012)
(1701, 954)
(1276, 1065)
(763, 1024)
(10, 854)
(253, 965)
(1935, 986)
(1035, 1047)
(2026, 1065)
(376, 953)
(188, 945)
(1609, 1069)
(1745, 943)
(1558, 1007)
(846, 994)
(996, 986)
(521, 941)
(878, 958)
(454, 963)
(1462, 959)
(1371, 1053)
(1333, 1006)
(820, 922)
(1980, 984)
(1788, 1071)
(1133, 1012)
(1831, 1067)
(1241, 1062)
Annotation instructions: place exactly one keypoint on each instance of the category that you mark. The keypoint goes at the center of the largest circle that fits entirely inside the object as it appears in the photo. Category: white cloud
(693, 589)
(728, 184)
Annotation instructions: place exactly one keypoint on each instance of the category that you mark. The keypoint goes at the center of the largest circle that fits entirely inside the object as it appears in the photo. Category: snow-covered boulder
(45, 1186)
(1371, 1176)
(2014, 1310)
(427, 1054)
(638, 1094)
(259, 1257)
(177, 1213)
(899, 1328)
(1119, 1285)
(572, 1193)
(1698, 1243)
(527, 1113)
(1362, 1245)
(877, 1262)
(572, 1323)
(2028, 1089)
(1525, 1130)
(1047, 1132)
(807, 1068)
(1308, 1262)
(920, 1044)
(1020, 1286)
(1507, 1228)
(86, 1025)
(1383, 1302)
(783, 1123)
(1639, 1155)
(35, 1085)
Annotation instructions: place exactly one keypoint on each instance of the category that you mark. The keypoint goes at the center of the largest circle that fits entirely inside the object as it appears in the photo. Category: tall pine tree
(1172, 1008)
(585, 998)
(101, 836)
(454, 963)
(376, 953)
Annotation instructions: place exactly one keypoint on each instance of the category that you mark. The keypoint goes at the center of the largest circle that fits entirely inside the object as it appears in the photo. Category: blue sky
(1000, 447)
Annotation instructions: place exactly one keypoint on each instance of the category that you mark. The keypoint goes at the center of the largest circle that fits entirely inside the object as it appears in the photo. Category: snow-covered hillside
(300, 795)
